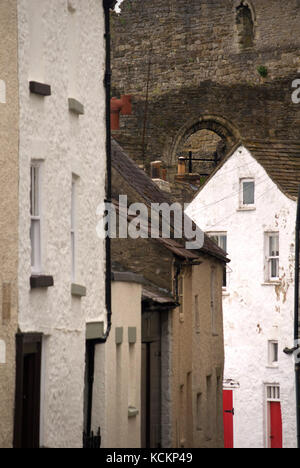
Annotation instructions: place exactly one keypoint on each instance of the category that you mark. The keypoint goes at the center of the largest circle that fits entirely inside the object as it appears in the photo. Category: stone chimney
(183, 175)
(159, 176)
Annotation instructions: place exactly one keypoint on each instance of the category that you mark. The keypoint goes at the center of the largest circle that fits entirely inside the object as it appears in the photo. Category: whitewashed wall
(66, 143)
(254, 312)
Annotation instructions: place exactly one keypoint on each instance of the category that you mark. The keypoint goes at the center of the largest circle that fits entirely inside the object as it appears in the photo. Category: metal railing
(92, 441)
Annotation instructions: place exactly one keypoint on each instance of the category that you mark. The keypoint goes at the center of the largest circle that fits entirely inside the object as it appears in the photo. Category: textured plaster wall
(254, 312)
(208, 356)
(9, 116)
(166, 374)
(66, 144)
(123, 371)
(197, 353)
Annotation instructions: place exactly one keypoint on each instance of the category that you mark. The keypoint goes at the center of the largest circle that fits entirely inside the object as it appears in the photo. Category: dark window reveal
(245, 26)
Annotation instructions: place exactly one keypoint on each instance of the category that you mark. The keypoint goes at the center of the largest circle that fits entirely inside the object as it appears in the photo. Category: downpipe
(296, 319)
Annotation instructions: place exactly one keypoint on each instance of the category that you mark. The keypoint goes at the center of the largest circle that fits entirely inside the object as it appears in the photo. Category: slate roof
(136, 177)
(150, 192)
(281, 162)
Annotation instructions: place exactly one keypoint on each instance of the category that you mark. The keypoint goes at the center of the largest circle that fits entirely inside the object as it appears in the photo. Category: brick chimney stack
(119, 106)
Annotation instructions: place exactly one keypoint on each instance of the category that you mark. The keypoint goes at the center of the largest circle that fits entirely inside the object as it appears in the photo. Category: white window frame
(36, 216)
(269, 258)
(216, 237)
(213, 301)
(246, 206)
(272, 394)
(271, 354)
(181, 296)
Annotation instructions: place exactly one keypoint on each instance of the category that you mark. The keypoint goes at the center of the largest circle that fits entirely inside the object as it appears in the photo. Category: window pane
(215, 239)
(73, 207)
(34, 191)
(274, 267)
(35, 244)
(224, 277)
(220, 240)
(274, 246)
(275, 352)
(223, 242)
(73, 254)
(248, 193)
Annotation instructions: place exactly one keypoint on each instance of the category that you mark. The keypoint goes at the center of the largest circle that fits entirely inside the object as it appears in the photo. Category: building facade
(251, 213)
(118, 393)
(9, 174)
(182, 324)
(55, 293)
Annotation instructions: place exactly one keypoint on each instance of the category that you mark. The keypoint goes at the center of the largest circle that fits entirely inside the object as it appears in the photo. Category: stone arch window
(245, 22)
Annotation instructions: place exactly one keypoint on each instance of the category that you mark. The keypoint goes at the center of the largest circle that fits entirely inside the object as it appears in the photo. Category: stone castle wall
(201, 63)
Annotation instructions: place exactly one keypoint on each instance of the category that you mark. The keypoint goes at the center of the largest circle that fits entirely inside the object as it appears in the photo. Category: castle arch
(226, 136)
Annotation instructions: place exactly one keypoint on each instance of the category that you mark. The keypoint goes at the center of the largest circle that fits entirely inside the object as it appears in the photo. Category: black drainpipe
(90, 349)
(296, 319)
(108, 5)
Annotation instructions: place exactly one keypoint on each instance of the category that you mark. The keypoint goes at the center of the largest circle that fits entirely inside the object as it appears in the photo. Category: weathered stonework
(204, 58)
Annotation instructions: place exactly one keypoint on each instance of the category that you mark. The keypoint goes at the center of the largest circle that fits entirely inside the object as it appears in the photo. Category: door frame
(27, 343)
(267, 400)
(151, 337)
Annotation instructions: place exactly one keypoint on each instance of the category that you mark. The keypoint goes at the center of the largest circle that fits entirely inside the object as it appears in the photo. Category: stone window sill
(132, 412)
(41, 281)
(75, 106)
(42, 89)
(250, 208)
(78, 290)
(271, 283)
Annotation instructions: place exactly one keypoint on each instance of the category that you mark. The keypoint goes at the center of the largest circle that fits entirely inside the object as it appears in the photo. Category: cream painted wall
(254, 312)
(122, 385)
(198, 354)
(66, 144)
(9, 168)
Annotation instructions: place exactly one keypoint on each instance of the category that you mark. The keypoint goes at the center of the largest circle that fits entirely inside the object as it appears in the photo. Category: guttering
(296, 318)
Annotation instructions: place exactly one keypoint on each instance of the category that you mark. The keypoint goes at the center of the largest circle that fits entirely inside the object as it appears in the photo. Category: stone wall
(201, 66)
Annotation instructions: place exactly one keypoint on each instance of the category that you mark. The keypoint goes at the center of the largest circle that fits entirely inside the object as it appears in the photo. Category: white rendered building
(61, 163)
(249, 206)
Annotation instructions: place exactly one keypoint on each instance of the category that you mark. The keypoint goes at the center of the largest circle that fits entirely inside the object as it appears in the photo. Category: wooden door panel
(276, 425)
(228, 418)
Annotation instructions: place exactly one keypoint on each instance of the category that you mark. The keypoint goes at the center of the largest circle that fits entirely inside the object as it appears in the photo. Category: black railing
(91, 441)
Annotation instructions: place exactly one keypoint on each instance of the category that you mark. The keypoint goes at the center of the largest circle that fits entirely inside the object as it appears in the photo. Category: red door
(275, 425)
(228, 418)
